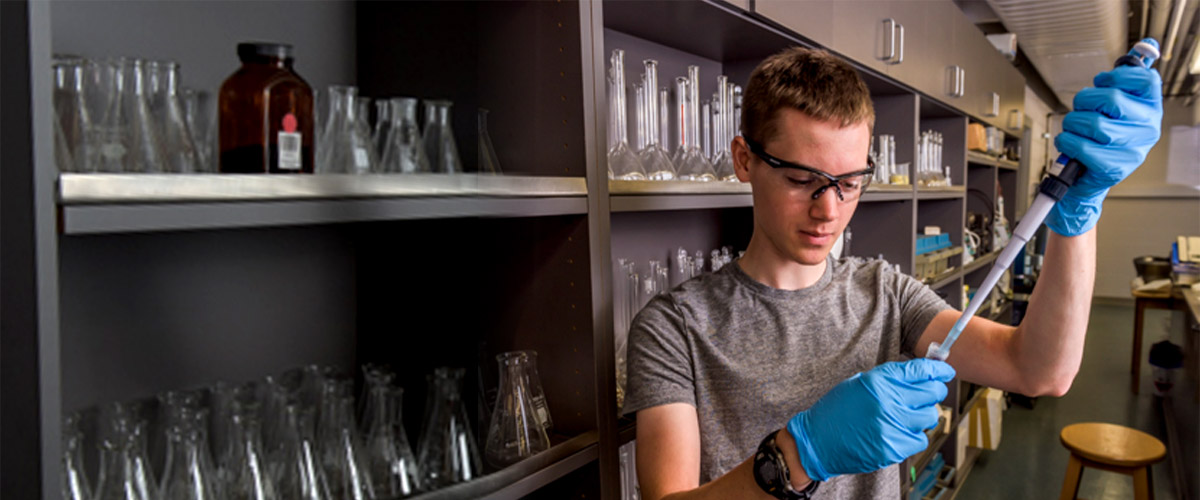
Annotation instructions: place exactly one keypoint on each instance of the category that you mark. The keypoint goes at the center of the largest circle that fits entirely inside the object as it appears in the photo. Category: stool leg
(1071, 482)
(1143, 484)
(1135, 369)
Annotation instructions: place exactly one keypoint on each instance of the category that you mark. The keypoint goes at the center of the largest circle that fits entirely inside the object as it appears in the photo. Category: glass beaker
(404, 151)
(74, 119)
(489, 163)
(623, 163)
(342, 457)
(75, 484)
(178, 147)
(448, 452)
(516, 432)
(440, 148)
(383, 125)
(347, 147)
(653, 157)
(389, 463)
(300, 476)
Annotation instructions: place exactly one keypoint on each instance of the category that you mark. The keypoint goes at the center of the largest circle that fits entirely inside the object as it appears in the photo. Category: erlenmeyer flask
(692, 164)
(179, 149)
(516, 432)
(200, 114)
(75, 484)
(74, 119)
(539, 395)
(722, 131)
(342, 458)
(390, 464)
(383, 125)
(653, 157)
(128, 474)
(448, 452)
(404, 151)
(127, 139)
(623, 162)
(489, 163)
(301, 477)
(363, 115)
(440, 147)
(187, 475)
(246, 474)
(347, 147)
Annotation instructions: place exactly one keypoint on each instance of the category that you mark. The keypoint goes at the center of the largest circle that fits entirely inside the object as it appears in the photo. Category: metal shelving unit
(991, 161)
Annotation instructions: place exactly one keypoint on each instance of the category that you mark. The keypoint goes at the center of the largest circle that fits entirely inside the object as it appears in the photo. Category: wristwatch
(772, 475)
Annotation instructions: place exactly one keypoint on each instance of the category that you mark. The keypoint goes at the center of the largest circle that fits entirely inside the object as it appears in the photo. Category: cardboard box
(977, 137)
(986, 419)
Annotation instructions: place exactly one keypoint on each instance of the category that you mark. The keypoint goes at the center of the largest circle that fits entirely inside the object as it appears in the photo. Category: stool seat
(1112, 444)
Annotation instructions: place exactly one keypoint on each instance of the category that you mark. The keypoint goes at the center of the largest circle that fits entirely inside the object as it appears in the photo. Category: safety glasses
(847, 186)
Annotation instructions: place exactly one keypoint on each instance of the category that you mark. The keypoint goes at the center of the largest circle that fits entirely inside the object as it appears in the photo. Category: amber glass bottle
(266, 114)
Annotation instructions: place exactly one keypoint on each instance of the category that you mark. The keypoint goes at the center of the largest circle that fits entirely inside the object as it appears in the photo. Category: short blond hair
(812, 81)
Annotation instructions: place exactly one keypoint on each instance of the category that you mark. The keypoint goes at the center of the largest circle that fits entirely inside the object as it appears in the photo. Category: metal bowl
(1151, 268)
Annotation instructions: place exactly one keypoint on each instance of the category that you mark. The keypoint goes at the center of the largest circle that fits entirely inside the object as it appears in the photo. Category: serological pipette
(1061, 176)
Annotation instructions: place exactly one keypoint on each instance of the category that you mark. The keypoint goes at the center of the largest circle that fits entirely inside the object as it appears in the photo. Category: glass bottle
(266, 114)
(692, 164)
(623, 163)
(347, 144)
(74, 119)
(390, 463)
(301, 476)
(247, 476)
(489, 163)
(440, 147)
(178, 147)
(342, 458)
(404, 151)
(653, 157)
(516, 431)
(448, 452)
(75, 484)
(383, 125)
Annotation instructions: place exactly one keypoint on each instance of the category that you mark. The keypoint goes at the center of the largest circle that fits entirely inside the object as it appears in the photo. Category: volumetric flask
(516, 431)
(404, 151)
(440, 147)
(489, 163)
(692, 164)
(448, 453)
(623, 163)
(653, 157)
(347, 146)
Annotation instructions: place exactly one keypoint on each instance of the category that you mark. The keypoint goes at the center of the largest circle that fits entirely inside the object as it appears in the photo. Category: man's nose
(825, 206)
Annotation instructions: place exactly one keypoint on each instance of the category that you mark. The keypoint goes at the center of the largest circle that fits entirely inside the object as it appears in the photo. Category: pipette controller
(1061, 176)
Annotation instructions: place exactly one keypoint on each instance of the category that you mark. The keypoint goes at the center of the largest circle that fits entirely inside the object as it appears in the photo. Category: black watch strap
(772, 474)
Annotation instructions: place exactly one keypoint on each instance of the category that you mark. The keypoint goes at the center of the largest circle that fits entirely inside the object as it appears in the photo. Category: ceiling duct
(1068, 41)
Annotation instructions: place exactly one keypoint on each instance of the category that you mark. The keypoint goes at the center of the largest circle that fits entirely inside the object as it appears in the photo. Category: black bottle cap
(255, 50)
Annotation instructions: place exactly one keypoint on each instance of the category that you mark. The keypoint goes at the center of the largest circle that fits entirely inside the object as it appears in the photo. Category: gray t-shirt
(749, 356)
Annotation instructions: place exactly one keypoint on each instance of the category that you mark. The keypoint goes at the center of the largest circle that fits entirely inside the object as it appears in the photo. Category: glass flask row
(130, 115)
(303, 434)
(700, 151)
(931, 172)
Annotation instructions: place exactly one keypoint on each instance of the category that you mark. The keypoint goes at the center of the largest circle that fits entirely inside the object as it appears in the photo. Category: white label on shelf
(289, 150)
(360, 158)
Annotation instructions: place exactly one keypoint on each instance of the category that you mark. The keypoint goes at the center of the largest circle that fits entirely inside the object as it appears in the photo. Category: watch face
(767, 470)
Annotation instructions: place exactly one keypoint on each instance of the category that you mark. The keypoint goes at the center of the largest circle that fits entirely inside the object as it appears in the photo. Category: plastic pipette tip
(936, 352)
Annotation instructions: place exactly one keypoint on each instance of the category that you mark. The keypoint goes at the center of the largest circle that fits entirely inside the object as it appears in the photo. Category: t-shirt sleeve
(918, 305)
(659, 364)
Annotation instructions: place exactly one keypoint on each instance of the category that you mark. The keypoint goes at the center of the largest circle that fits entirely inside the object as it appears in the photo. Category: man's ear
(741, 158)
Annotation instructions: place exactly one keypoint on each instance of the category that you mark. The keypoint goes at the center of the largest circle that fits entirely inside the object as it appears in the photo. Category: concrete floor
(1030, 462)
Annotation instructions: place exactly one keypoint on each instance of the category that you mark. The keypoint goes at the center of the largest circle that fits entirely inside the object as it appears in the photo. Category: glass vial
(489, 163)
(266, 114)
(440, 147)
(516, 431)
(448, 453)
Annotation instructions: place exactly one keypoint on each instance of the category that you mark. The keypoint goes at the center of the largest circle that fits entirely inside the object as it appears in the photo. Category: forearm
(740, 483)
(1051, 336)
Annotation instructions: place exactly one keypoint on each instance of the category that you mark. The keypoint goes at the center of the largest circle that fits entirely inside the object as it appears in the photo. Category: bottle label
(290, 143)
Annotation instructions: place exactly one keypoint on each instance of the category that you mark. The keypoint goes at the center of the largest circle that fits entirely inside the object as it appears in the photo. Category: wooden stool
(1112, 448)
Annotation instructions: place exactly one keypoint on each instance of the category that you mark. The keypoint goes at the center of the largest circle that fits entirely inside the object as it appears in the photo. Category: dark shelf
(528, 475)
(983, 159)
(980, 262)
(961, 475)
(627, 432)
(945, 278)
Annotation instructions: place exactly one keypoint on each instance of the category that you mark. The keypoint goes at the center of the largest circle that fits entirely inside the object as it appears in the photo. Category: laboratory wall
(1144, 214)
(1041, 120)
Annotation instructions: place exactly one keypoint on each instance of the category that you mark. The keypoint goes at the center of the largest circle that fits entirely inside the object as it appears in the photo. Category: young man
(789, 359)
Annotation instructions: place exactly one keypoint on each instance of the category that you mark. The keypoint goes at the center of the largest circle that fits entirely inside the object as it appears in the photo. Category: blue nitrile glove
(871, 420)
(1112, 128)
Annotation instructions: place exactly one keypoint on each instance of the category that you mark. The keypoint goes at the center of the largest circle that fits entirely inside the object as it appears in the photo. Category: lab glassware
(128, 140)
(539, 395)
(405, 150)
(440, 147)
(74, 119)
(722, 127)
(664, 121)
(383, 125)
(300, 476)
(489, 163)
(199, 112)
(653, 157)
(706, 122)
(75, 484)
(347, 147)
(247, 475)
(123, 471)
(448, 452)
(266, 114)
(623, 163)
(692, 164)
(363, 115)
(177, 142)
(341, 454)
(188, 475)
(516, 431)
(390, 464)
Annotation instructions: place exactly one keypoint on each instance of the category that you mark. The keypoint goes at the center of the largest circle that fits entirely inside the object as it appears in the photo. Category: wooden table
(1169, 300)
